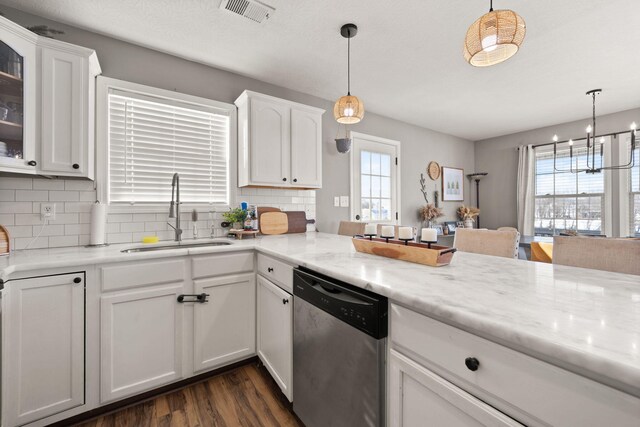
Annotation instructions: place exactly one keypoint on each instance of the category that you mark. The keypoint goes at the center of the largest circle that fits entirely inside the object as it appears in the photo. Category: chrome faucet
(174, 208)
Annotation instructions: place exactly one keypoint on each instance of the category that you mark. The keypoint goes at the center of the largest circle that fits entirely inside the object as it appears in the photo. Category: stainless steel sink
(180, 245)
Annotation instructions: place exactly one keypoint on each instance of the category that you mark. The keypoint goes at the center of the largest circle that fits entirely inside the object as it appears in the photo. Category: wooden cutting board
(262, 210)
(298, 221)
(274, 223)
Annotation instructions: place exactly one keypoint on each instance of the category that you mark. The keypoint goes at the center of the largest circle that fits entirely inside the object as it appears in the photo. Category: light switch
(336, 201)
(344, 201)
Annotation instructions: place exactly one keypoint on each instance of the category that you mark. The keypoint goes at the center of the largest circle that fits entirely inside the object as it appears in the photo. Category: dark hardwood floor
(246, 396)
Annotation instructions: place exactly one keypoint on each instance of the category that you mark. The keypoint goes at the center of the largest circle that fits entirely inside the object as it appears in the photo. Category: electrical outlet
(336, 201)
(344, 201)
(48, 211)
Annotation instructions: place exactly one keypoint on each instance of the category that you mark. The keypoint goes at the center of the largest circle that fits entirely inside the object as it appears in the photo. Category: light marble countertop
(583, 320)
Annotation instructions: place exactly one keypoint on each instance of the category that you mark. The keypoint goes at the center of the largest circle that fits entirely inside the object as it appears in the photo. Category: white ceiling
(407, 58)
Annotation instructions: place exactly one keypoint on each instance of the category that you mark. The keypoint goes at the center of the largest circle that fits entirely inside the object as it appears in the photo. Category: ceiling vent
(250, 9)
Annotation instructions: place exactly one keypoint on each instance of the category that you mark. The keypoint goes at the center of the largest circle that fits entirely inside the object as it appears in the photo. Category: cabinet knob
(472, 363)
(284, 300)
(76, 166)
(32, 163)
(284, 179)
(77, 280)
(295, 179)
(270, 270)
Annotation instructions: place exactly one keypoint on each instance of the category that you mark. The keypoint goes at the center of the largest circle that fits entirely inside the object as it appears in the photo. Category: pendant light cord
(490, 5)
(349, 63)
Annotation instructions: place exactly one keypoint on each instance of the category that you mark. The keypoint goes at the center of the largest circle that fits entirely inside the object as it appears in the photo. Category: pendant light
(494, 38)
(594, 146)
(348, 109)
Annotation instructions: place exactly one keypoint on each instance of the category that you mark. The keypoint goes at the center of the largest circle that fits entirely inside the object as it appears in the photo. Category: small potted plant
(468, 214)
(236, 217)
(428, 213)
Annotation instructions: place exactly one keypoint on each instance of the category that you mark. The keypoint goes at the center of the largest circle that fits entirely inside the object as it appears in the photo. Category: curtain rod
(614, 134)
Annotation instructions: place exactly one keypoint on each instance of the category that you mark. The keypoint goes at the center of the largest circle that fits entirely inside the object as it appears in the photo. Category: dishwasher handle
(333, 292)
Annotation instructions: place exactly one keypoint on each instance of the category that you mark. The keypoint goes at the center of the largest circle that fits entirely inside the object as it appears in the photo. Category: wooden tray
(419, 253)
(240, 233)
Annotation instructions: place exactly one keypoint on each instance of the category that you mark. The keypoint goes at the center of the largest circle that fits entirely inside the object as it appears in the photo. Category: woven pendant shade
(494, 38)
(348, 110)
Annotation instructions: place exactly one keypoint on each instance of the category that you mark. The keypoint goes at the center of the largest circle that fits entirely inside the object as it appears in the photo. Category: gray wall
(499, 157)
(126, 61)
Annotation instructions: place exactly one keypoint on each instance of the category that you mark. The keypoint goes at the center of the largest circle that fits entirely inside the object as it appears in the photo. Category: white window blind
(568, 201)
(149, 139)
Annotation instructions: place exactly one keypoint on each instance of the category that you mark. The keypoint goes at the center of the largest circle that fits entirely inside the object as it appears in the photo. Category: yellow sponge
(150, 239)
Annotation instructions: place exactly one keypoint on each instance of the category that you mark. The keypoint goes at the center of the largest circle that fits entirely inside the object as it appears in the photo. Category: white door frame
(376, 139)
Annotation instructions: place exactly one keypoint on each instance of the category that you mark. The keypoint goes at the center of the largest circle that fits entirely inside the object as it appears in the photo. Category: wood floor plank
(244, 397)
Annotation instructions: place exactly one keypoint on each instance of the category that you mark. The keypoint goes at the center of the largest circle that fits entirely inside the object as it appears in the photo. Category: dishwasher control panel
(362, 309)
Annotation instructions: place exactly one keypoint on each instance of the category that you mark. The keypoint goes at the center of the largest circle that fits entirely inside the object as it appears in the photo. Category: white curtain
(526, 188)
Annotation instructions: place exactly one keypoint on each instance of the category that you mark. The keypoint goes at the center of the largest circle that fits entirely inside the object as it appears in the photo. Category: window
(151, 134)
(568, 201)
(633, 176)
(374, 179)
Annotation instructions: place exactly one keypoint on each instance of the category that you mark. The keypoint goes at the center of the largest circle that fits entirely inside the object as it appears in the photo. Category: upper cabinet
(47, 104)
(279, 142)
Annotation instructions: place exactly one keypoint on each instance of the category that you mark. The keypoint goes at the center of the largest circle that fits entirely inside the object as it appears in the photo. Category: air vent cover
(250, 9)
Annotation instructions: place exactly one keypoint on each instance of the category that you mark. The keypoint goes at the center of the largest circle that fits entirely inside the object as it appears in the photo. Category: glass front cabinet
(47, 104)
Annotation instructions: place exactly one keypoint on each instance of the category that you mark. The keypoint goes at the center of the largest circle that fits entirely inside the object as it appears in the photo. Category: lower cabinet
(43, 359)
(141, 340)
(275, 333)
(224, 327)
(419, 397)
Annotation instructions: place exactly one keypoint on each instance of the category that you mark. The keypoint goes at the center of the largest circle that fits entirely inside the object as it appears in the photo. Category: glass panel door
(11, 103)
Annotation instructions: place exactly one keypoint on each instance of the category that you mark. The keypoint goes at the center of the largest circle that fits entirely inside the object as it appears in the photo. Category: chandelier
(594, 146)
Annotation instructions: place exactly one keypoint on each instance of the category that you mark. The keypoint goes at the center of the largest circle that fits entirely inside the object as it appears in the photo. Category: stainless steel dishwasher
(339, 353)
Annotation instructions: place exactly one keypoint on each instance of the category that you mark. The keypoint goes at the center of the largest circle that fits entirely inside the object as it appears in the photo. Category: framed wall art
(452, 184)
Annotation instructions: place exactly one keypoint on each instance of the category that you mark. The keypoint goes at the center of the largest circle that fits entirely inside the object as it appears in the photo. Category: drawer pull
(284, 300)
(270, 269)
(472, 363)
(77, 280)
(201, 298)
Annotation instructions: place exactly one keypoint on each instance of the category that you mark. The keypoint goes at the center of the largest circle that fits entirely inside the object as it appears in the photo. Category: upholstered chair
(488, 242)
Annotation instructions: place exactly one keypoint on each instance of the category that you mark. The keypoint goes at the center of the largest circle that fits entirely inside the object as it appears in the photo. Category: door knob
(76, 166)
(284, 179)
(77, 280)
(32, 163)
(284, 300)
(270, 270)
(295, 179)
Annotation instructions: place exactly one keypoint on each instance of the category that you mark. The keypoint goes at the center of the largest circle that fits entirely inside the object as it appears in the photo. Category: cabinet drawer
(133, 275)
(529, 390)
(277, 271)
(220, 265)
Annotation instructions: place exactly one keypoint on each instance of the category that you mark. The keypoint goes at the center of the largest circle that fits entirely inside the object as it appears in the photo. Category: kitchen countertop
(587, 321)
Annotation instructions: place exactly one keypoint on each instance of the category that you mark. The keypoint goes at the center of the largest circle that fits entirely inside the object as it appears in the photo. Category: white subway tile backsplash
(79, 185)
(64, 196)
(47, 184)
(7, 195)
(32, 195)
(20, 200)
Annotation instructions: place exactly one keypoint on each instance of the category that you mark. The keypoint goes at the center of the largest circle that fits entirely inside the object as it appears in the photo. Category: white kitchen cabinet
(43, 351)
(141, 340)
(67, 109)
(306, 148)
(275, 333)
(419, 397)
(47, 104)
(279, 142)
(18, 98)
(224, 327)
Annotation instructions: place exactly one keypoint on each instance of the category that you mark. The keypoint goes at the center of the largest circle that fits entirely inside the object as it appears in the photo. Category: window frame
(625, 188)
(607, 211)
(103, 86)
(354, 192)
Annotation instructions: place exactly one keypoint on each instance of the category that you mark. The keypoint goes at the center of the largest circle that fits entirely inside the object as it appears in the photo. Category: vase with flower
(468, 215)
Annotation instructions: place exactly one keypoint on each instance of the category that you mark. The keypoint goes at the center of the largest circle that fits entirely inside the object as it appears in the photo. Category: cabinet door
(275, 333)
(224, 327)
(141, 340)
(18, 113)
(269, 143)
(418, 397)
(306, 149)
(64, 113)
(43, 347)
